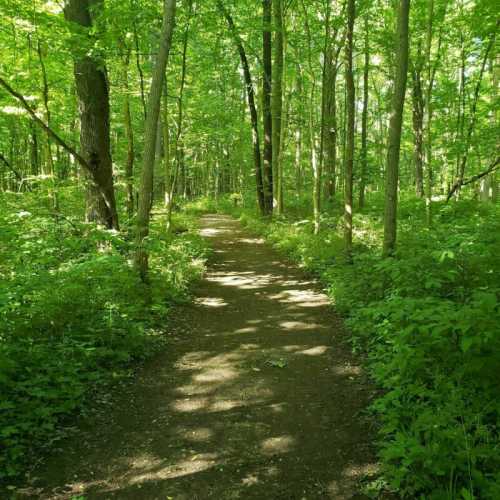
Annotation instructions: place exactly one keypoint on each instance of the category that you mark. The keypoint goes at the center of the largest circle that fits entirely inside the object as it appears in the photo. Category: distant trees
(267, 110)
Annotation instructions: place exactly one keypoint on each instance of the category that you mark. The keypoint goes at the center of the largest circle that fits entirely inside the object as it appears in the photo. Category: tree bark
(93, 96)
(266, 105)
(129, 133)
(277, 102)
(364, 121)
(250, 92)
(178, 145)
(418, 129)
(153, 112)
(395, 124)
(349, 155)
(48, 146)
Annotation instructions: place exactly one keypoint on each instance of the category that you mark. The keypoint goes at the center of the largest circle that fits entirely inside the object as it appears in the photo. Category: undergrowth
(74, 316)
(428, 321)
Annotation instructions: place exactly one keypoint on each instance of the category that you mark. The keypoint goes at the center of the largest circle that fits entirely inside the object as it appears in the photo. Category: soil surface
(257, 396)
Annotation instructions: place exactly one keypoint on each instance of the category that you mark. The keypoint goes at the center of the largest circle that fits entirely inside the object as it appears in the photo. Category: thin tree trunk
(266, 105)
(277, 102)
(250, 92)
(315, 164)
(349, 156)
(139, 70)
(178, 145)
(418, 129)
(48, 146)
(364, 121)
(153, 112)
(166, 147)
(395, 124)
(298, 135)
(129, 132)
(34, 151)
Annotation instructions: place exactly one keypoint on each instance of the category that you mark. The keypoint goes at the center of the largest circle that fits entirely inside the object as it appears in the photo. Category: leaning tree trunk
(250, 92)
(266, 106)
(93, 96)
(150, 133)
(395, 124)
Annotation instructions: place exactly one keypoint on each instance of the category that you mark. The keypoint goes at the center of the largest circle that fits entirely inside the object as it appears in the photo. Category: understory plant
(427, 321)
(75, 316)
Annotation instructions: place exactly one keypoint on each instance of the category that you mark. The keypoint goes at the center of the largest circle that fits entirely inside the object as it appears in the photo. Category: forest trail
(257, 396)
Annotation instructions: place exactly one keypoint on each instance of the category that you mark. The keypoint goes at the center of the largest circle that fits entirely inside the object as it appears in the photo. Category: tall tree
(349, 154)
(315, 164)
(364, 119)
(333, 50)
(277, 102)
(93, 95)
(250, 93)
(129, 131)
(178, 144)
(150, 136)
(395, 125)
(266, 104)
(418, 124)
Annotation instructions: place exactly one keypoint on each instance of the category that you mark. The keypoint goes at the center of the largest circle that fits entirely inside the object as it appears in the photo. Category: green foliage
(428, 324)
(74, 315)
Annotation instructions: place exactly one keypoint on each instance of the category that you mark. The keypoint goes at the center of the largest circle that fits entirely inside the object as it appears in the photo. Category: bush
(74, 315)
(428, 323)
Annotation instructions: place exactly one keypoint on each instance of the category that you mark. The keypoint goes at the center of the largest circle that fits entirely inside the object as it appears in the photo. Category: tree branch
(79, 158)
(11, 168)
(459, 183)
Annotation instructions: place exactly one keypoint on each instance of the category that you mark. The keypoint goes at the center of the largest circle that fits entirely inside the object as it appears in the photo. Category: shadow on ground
(257, 396)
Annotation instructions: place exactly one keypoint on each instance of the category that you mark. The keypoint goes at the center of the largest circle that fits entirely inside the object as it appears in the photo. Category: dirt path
(255, 398)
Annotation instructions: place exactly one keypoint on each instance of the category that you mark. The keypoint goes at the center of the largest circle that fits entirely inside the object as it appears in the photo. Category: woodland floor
(257, 396)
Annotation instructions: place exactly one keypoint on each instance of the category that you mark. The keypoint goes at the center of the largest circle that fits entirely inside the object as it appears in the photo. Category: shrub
(74, 315)
(428, 323)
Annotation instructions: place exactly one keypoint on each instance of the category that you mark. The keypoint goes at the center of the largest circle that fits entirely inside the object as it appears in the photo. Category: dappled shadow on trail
(257, 396)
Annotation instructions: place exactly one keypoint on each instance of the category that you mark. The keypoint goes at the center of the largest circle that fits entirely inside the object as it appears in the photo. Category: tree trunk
(166, 147)
(250, 92)
(364, 121)
(93, 96)
(395, 124)
(178, 145)
(153, 112)
(266, 106)
(330, 139)
(48, 151)
(418, 130)
(277, 102)
(34, 157)
(129, 132)
(349, 154)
